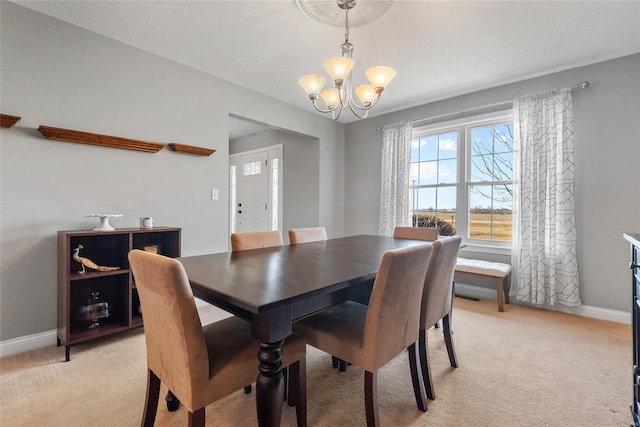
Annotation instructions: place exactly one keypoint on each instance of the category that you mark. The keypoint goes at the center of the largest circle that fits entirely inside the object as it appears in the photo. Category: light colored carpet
(523, 367)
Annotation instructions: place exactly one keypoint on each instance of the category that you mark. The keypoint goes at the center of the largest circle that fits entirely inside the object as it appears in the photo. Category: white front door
(252, 192)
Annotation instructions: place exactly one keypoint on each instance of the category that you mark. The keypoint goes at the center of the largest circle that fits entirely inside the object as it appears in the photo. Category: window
(232, 195)
(251, 168)
(275, 179)
(490, 182)
(461, 178)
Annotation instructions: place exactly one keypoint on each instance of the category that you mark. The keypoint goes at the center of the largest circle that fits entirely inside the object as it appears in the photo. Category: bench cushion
(478, 266)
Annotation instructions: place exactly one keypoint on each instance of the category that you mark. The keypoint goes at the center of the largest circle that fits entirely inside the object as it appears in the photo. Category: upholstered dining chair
(416, 233)
(199, 364)
(437, 303)
(371, 336)
(255, 240)
(306, 235)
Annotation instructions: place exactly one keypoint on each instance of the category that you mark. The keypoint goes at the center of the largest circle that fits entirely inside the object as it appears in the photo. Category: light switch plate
(214, 194)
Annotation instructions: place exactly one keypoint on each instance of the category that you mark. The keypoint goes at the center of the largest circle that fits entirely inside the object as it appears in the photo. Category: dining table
(273, 287)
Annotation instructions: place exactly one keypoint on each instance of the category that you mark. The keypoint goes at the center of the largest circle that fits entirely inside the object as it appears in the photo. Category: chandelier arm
(329, 110)
(344, 92)
(335, 116)
(354, 104)
(355, 113)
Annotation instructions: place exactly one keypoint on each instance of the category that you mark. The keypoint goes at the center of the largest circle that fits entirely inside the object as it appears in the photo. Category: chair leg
(247, 389)
(343, 365)
(291, 385)
(423, 347)
(500, 289)
(416, 377)
(335, 361)
(507, 287)
(151, 401)
(371, 398)
(285, 371)
(453, 294)
(448, 340)
(298, 390)
(196, 419)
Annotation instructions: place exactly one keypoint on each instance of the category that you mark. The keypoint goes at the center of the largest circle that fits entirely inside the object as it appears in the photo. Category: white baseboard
(32, 342)
(43, 339)
(26, 343)
(583, 310)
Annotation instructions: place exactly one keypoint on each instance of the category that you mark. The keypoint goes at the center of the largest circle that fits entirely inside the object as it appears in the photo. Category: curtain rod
(582, 85)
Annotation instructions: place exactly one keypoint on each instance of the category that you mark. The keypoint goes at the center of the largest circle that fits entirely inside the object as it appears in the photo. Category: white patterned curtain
(394, 190)
(544, 247)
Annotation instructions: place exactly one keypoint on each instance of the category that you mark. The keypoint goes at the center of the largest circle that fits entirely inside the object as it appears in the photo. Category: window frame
(463, 128)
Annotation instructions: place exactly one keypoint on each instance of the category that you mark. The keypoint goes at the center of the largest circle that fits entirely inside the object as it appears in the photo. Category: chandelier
(339, 68)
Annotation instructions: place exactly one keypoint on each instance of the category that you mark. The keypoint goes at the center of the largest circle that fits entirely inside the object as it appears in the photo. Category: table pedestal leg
(270, 384)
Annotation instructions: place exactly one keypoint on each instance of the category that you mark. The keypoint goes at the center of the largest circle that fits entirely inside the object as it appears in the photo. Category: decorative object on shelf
(339, 68)
(104, 221)
(154, 249)
(191, 149)
(92, 312)
(6, 121)
(69, 135)
(146, 222)
(86, 262)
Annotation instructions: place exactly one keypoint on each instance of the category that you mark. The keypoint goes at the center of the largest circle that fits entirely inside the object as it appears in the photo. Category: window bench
(499, 272)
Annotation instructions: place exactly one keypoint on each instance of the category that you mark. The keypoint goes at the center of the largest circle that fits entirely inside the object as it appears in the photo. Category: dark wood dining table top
(260, 280)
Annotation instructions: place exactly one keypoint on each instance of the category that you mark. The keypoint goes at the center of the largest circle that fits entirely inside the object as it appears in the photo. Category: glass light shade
(366, 93)
(312, 83)
(380, 76)
(330, 96)
(339, 67)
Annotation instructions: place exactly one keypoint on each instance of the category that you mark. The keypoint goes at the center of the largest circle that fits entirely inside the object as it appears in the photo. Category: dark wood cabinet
(634, 239)
(85, 298)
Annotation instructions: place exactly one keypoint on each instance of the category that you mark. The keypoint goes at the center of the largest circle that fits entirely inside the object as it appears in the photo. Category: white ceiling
(439, 48)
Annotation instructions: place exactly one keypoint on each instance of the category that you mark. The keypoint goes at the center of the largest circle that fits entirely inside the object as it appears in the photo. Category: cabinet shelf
(83, 335)
(94, 274)
(77, 291)
(81, 137)
(6, 121)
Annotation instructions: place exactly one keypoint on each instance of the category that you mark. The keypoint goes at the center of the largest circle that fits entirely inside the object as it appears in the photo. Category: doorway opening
(255, 189)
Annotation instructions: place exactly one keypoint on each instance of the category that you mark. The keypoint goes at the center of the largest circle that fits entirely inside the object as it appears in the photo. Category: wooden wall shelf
(68, 135)
(191, 149)
(6, 121)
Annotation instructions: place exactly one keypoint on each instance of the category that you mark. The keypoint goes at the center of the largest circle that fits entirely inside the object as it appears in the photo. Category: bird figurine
(86, 262)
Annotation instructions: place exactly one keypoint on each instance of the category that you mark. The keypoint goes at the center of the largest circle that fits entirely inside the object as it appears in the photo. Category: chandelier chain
(346, 25)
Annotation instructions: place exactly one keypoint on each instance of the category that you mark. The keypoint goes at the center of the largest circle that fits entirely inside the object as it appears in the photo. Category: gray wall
(607, 128)
(56, 74)
(300, 170)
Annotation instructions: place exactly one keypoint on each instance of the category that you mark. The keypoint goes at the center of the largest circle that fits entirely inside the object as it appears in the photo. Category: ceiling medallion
(325, 12)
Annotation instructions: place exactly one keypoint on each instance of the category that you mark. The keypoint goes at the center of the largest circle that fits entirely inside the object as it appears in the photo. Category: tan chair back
(305, 235)
(176, 348)
(393, 316)
(436, 300)
(416, 233)
(255, 240)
